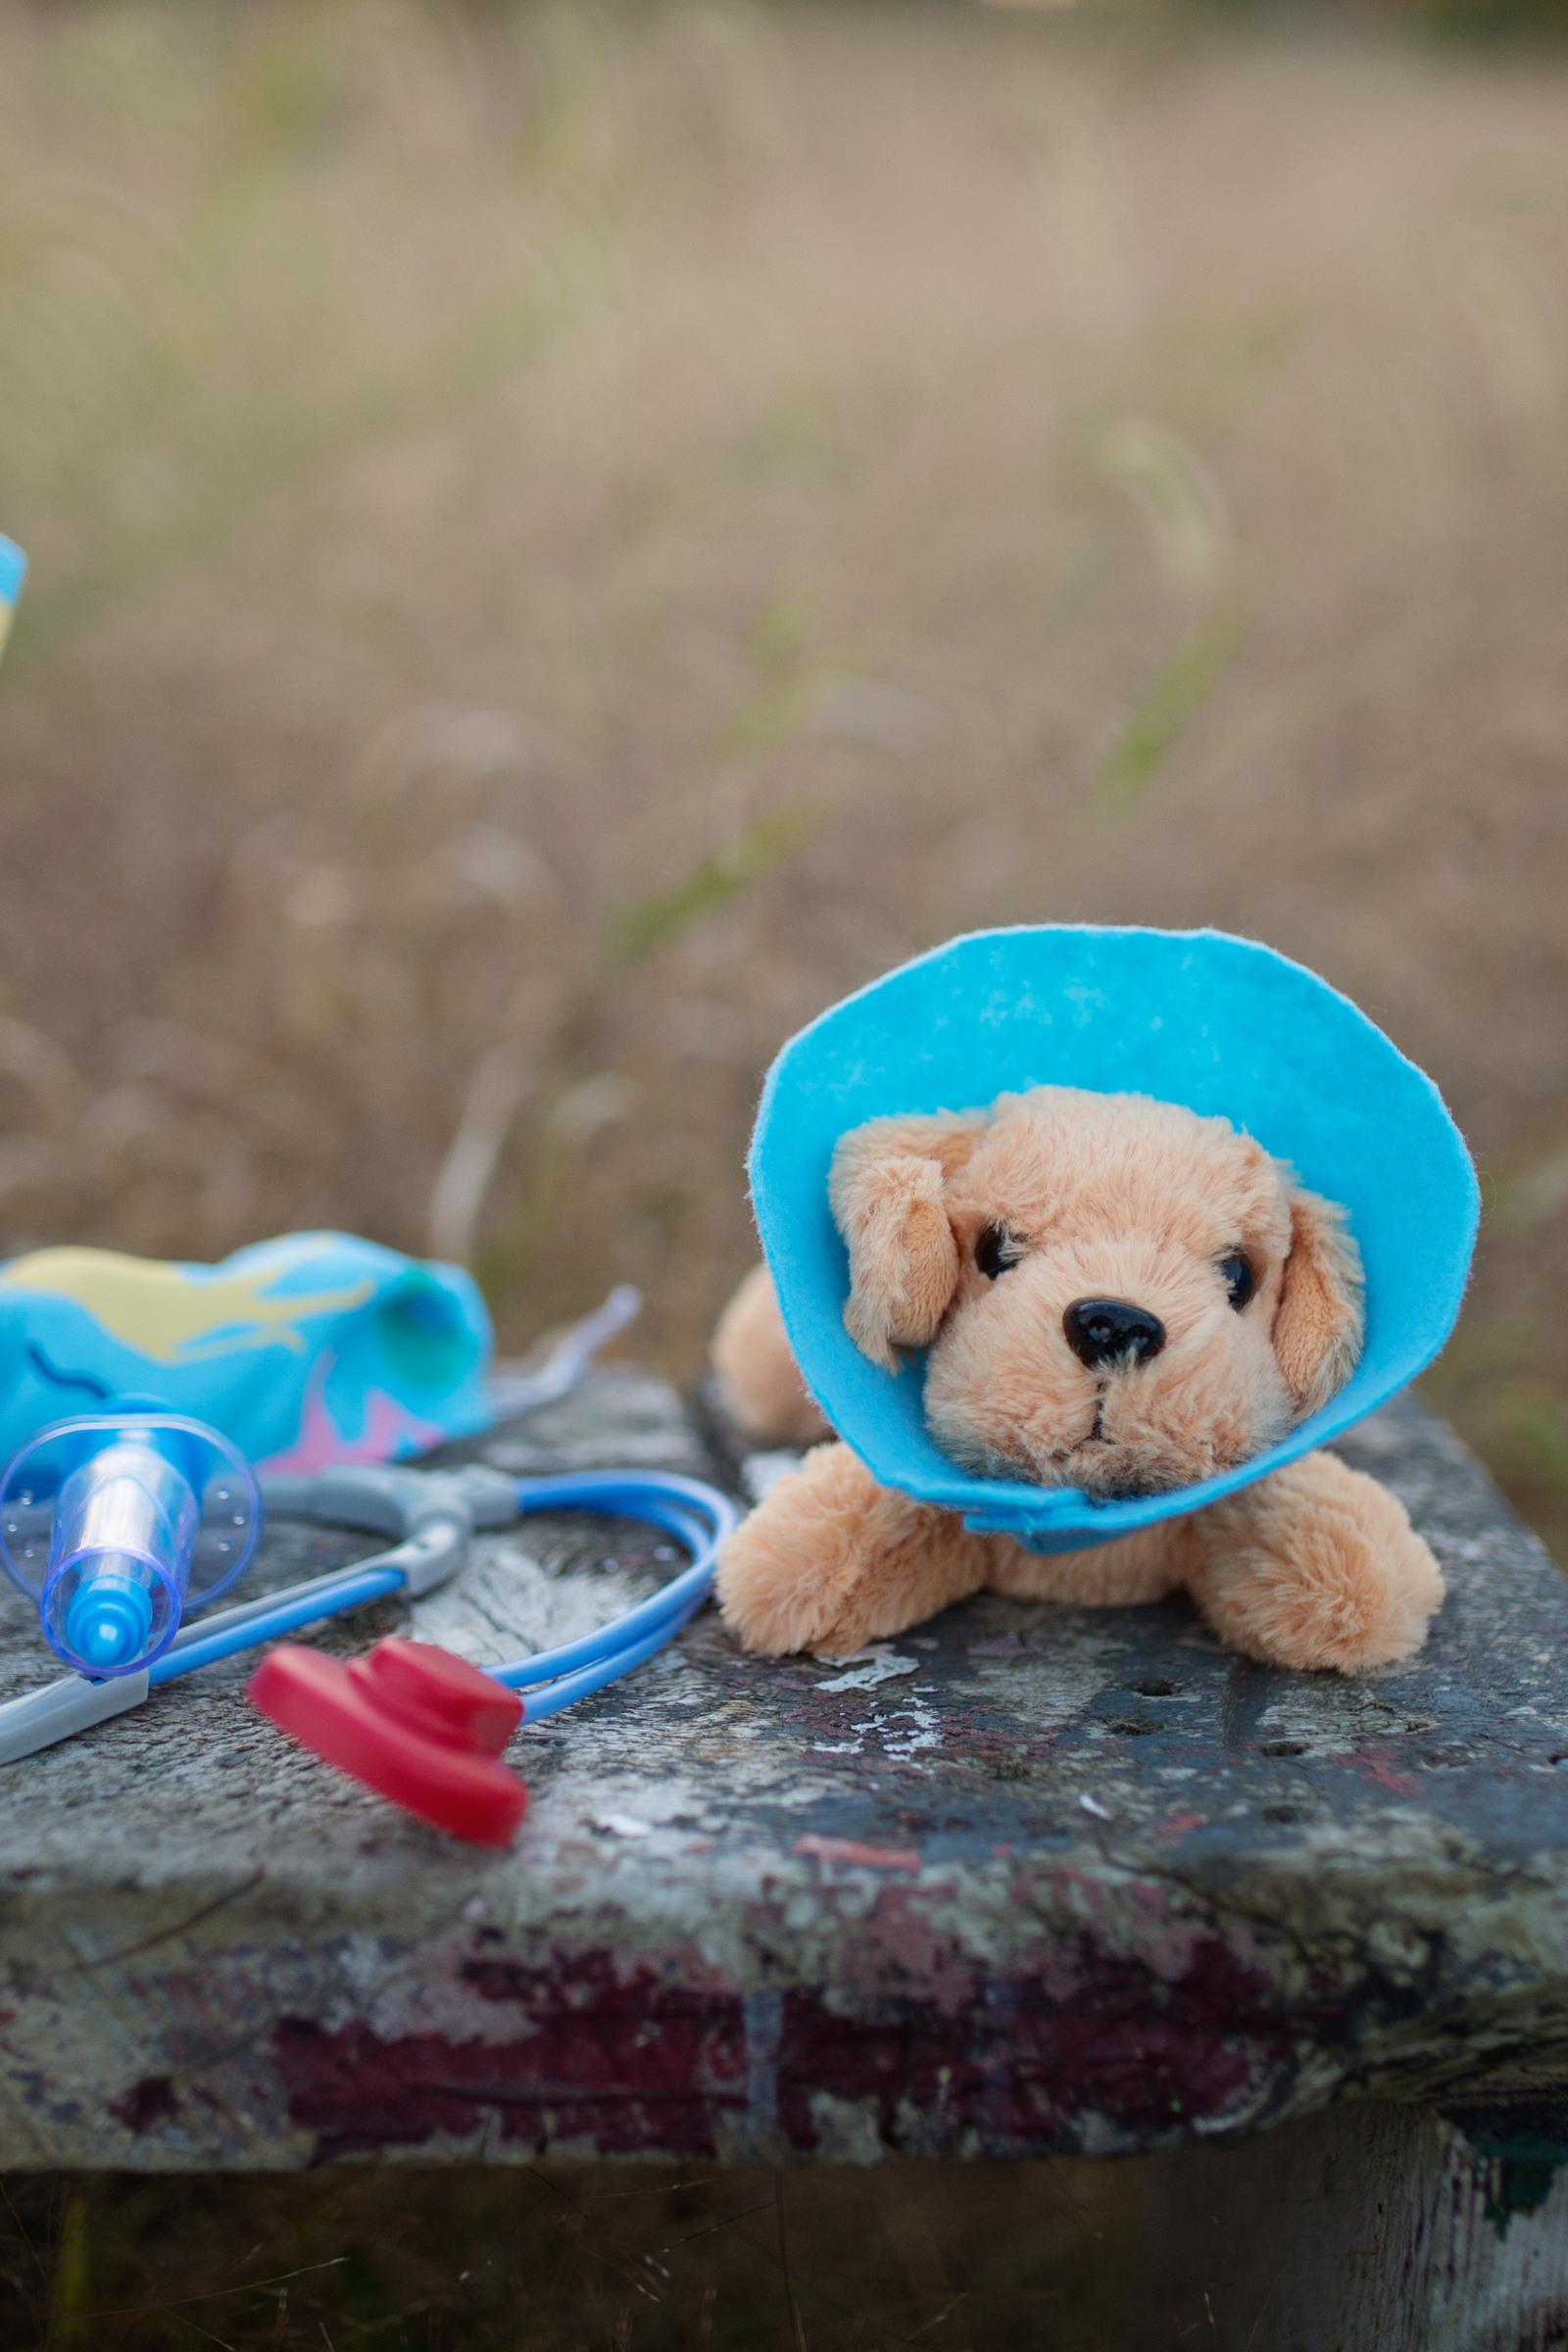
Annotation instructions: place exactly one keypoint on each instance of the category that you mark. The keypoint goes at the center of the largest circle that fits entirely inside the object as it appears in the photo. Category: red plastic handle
(411, 1721)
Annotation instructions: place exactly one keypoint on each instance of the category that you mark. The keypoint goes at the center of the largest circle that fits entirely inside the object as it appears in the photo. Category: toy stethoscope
(122, 1524)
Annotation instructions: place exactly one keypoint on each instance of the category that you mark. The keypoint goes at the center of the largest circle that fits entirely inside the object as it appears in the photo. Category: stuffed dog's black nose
(1100, 1331)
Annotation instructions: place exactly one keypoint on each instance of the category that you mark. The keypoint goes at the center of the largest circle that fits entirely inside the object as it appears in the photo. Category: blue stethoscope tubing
(441, 1523)
(698, 1516)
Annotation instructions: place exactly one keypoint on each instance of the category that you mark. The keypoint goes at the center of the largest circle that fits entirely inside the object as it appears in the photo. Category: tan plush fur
(1317, 1331)
(758, 1375)
(1315, 1566)
(888, 1189)
(977, 1233)
(1101, 1196)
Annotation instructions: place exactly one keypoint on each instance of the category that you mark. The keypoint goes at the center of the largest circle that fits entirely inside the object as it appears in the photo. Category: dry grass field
(566, 537)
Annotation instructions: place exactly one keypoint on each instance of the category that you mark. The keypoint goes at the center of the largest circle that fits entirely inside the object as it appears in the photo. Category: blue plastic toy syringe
(118, 1522)
(119, 1557)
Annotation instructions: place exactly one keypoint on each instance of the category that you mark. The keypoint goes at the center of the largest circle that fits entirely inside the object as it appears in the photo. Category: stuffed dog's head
(1117, 1294)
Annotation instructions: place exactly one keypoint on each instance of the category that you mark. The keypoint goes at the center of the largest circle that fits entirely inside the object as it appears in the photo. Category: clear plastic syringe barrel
(116, 1523)
(119, 1552)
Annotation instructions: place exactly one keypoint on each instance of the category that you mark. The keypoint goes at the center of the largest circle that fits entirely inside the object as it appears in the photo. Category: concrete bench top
(1027, 1880)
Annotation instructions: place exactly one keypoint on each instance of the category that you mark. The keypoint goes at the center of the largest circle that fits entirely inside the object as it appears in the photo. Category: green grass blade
(1177, 695)
(658, 921)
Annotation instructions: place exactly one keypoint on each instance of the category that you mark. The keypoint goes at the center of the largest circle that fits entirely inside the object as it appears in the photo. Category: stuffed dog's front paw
(831, 1560)
(1316, 1567)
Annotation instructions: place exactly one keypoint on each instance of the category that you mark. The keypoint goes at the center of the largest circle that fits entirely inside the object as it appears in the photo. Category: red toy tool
(413, 1721)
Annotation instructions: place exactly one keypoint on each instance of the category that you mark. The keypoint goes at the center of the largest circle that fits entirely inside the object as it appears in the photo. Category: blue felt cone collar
(1197, 1017)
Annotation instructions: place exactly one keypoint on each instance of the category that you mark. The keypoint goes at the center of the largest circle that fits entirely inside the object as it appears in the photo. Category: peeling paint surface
(1027, 1880)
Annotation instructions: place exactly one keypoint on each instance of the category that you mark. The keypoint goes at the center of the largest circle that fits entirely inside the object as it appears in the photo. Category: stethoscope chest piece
(410, 1721)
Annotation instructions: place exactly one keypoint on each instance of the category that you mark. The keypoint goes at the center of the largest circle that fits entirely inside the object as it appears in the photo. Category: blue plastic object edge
(1223, 1024)
(13, 570)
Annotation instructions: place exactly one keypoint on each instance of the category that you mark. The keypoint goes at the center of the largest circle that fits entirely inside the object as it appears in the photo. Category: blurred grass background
(982, 2258)
(567, 536)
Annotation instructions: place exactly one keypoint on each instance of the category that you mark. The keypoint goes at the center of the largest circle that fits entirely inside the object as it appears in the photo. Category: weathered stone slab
(1026, 1879)
(1368, 2227)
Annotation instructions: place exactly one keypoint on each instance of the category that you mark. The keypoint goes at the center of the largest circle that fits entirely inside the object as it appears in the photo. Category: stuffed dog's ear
(885, 1190)
(1319, 1322)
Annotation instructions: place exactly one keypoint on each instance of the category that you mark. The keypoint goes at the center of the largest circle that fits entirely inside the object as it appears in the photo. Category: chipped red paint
(1025, 2068)
(849, 1851)
(150, 2101)
(634, 2066)
(593, 1976)
(1175, 1827)
(899, 1949)
(624, 2064)
(1378, 1764)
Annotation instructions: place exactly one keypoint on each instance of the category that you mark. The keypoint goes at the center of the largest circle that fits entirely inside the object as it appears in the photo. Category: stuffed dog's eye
(1239, 1279)
(995, 1251)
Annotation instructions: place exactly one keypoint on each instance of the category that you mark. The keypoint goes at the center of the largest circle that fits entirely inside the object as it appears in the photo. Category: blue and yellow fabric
(13, 571)
(311, 1349)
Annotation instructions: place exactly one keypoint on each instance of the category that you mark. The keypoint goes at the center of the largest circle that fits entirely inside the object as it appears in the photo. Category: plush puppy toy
(1118, 1295)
